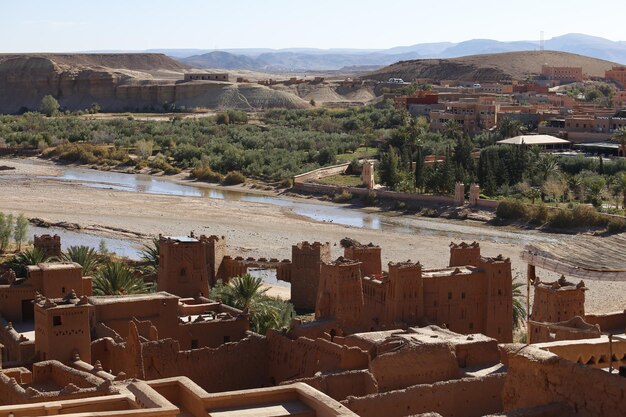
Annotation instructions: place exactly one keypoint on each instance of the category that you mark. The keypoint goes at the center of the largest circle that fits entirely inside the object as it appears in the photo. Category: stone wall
(467, 397)
(316, 174)
(536, 377)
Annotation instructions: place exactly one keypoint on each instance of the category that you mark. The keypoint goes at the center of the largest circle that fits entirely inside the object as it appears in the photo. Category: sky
(88, 25)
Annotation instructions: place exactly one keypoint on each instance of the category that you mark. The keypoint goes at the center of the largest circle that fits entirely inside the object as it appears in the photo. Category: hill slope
(133, 62)
(490, 67)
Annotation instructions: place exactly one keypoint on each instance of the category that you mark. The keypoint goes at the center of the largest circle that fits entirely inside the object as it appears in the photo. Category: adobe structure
(402, 342)
(49, 245)
(473, 295)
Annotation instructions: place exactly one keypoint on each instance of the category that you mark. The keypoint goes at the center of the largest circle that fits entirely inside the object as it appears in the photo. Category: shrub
(584, 215)
(616, 225)
(342, 197)
(233, 178)
(205, 173)
(286, 183)
(511, 210)
(561, 219)
(369, 199)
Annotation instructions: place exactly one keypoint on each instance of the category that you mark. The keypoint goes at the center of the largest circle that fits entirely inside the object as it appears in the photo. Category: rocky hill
(490, 67)
(122, 82)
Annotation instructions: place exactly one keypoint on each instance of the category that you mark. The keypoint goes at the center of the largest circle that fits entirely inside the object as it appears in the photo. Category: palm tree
(117, 278)
(547, 166)
(519, 310)
(509, 128)
(620, 136)
(246, 293)
(453, 130)
(86, 257)
(150, 254)
(32, 256)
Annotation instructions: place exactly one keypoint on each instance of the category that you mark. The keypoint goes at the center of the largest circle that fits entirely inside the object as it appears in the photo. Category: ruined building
(49, 245)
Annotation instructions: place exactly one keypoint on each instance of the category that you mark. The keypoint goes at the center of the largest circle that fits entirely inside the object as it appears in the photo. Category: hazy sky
(69, 25)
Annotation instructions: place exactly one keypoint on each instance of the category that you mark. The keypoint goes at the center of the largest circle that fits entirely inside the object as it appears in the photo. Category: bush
(511, 210)
(234, 178)
(561, 219)
(286, 183)
(369, 199)
(616, 225)
(342, 197)
(584, 215)
(205, 173)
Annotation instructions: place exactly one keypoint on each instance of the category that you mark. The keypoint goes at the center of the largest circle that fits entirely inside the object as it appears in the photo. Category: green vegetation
(245, 293)
(86, 257)
(519, 307)
(49, 106)
(117, 278)
(23, 259)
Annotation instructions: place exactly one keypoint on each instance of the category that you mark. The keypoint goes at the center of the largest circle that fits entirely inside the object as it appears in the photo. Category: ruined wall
(16, 302)
(305, 272)
(342, 384)
(611, 321)
(303, 357)
(411, 364)
(232, 366)
(499, 302)
(216, 250)
(369, 256)
(537, 377)
(234, 267)
(467, 397)
(17, 349)
(211, 333)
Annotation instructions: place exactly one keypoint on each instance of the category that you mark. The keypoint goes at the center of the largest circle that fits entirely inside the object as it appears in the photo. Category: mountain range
(311, 59)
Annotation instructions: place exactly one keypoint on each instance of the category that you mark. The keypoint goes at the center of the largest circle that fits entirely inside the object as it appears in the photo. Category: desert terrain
(256, 229)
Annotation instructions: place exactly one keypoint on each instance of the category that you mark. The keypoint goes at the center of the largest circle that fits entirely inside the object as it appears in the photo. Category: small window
(226, 339)
(471, 325)
(463, 296)
(449, 296)
(56, 320)
(194, 343)
(183, 272)
(62, 290)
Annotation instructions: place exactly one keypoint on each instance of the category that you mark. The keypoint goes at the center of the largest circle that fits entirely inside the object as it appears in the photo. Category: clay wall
(536, 378)
(232, 366)
(216, 250)
(306, 261)
(117, 356)
(115, 313)
(369, 256)
(57, 280)
(16, 349)
(589, 352)
(212, 333)
(303, 357)
(413, 364)
(574, 329)
(457, 300)
(405, 293)
(611, 321)
(49, 245)
(61, 331)
(184, 267)
(340, 294)
(320, 173)
(392, 195)
(234, 267)
(556, 305)
(375, 298)
(499, 302)
(464, 254)
(340, 386)
(467, 397)
(16, 302)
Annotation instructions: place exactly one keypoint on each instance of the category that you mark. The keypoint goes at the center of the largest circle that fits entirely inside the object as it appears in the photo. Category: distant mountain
(304, 59)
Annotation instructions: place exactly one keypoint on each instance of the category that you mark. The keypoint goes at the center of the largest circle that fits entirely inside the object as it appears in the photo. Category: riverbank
(262, 230)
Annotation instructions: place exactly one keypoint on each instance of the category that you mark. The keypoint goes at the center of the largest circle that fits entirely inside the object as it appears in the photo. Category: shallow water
(318, 212)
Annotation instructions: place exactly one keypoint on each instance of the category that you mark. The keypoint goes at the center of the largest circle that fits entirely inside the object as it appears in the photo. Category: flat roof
(606, 145)
(108, 299)
(534, 140)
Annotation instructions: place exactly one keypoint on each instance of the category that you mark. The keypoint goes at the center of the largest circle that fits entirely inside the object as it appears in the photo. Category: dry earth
(253, 229)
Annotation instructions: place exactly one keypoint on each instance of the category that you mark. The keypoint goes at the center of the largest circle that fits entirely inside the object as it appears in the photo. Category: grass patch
(342, 180)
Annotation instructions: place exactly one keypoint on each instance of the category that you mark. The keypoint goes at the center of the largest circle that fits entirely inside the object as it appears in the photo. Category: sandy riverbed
(253, 229)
